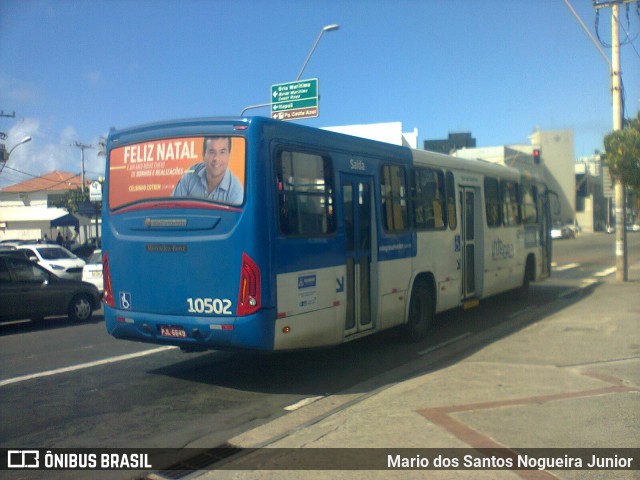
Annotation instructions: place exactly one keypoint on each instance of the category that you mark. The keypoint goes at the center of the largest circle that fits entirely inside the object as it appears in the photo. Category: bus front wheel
(421, 311)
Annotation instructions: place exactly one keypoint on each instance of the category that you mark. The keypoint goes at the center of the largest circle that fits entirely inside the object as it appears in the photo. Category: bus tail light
(249, 296)
(107, 296)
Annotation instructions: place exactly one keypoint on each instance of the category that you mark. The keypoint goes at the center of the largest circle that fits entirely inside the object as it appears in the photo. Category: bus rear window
(210, 168)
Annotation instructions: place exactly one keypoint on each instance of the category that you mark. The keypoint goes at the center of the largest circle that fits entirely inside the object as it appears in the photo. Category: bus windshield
(208, 168)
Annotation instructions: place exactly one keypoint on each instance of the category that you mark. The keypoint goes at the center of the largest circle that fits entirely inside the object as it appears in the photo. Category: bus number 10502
(217, 306)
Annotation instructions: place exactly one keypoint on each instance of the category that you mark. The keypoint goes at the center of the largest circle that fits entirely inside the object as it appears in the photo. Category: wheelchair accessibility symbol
(125, 300)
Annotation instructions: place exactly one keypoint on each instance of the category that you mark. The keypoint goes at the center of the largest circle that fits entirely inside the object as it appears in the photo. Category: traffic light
(536, 156)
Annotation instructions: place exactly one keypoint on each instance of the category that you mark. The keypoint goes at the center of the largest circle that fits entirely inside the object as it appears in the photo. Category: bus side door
(357, 202)
(472, 243)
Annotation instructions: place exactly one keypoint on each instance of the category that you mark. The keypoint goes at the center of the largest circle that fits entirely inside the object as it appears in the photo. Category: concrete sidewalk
(568, 380)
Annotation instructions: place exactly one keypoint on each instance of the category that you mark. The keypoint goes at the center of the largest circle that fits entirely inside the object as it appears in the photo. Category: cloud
(94, 78)
(68, 136)
(38, 156)
(42, 155)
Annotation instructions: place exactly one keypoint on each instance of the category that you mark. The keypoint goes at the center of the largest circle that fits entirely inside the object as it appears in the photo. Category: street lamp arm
(250, 107)
(24, 140)
(4, 155)
(327, 28)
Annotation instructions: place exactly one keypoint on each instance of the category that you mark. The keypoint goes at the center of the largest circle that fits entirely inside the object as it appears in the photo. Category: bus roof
(339, 141)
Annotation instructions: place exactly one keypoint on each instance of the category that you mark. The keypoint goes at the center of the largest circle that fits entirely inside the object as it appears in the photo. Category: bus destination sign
(294, 100)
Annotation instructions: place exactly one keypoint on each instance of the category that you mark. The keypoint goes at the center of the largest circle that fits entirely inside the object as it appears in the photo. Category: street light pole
(24, 140)
(327, 28)
(6, 155)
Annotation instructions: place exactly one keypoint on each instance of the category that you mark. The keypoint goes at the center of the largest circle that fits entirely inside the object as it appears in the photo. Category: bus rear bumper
(254, 332)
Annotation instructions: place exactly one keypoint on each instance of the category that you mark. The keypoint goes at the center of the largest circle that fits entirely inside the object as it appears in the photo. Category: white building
(555, 164)
(26, 211)
(383, 132)
(558, 156)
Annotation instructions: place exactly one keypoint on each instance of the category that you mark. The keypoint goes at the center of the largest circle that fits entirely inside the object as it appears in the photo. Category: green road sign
(294, 100)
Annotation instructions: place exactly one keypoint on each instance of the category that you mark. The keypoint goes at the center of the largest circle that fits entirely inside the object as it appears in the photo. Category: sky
(73, 69)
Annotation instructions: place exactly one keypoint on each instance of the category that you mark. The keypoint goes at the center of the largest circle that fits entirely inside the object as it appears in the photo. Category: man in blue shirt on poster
(212, 178)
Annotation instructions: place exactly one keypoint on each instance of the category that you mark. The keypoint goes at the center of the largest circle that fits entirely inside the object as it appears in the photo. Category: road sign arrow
(294, 100)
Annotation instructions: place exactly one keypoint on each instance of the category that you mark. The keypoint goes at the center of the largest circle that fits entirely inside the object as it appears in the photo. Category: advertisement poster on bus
(210, 168)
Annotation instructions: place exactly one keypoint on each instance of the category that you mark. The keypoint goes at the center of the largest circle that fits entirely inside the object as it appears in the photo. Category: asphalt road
(70, 385)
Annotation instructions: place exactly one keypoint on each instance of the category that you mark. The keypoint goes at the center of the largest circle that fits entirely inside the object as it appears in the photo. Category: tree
(71, 200)
(622, 156)
(77, 201)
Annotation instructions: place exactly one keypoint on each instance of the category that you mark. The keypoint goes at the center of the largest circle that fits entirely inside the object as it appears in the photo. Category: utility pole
(82, 147)
(4, 156)
(621, 201)
(616, 94)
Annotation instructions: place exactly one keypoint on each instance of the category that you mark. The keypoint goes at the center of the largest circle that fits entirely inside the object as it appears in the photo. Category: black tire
(80, 308)
(421, 312)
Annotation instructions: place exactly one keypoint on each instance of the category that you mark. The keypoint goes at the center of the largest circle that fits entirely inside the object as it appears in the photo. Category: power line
(54, 183)
(627, 3)
(584, 27)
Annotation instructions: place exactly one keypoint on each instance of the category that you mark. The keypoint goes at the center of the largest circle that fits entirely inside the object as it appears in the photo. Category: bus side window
(492, 201)
(450, 189)
(393, 188)
(510, 210)
(428, 198)
(529, 204)
(304, 184)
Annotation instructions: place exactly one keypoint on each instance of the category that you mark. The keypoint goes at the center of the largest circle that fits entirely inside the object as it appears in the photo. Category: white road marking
(302, 403)
(587, 282)
(568, 266)
(605, 273)
(81, 366)
(444, 344)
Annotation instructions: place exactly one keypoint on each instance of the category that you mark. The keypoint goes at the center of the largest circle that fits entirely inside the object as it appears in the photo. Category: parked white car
(92, 271)
(58, 260)
(564, 231)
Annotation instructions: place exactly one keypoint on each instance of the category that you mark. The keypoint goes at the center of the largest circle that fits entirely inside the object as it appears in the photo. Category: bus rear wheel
(421, 312)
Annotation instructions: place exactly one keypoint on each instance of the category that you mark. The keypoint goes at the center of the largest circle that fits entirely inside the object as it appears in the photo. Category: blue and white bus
(250, 233)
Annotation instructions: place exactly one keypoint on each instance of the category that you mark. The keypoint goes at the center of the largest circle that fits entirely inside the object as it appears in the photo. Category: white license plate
(172, 331)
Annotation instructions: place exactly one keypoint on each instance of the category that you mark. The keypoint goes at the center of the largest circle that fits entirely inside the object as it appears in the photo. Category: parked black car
(29, 291)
